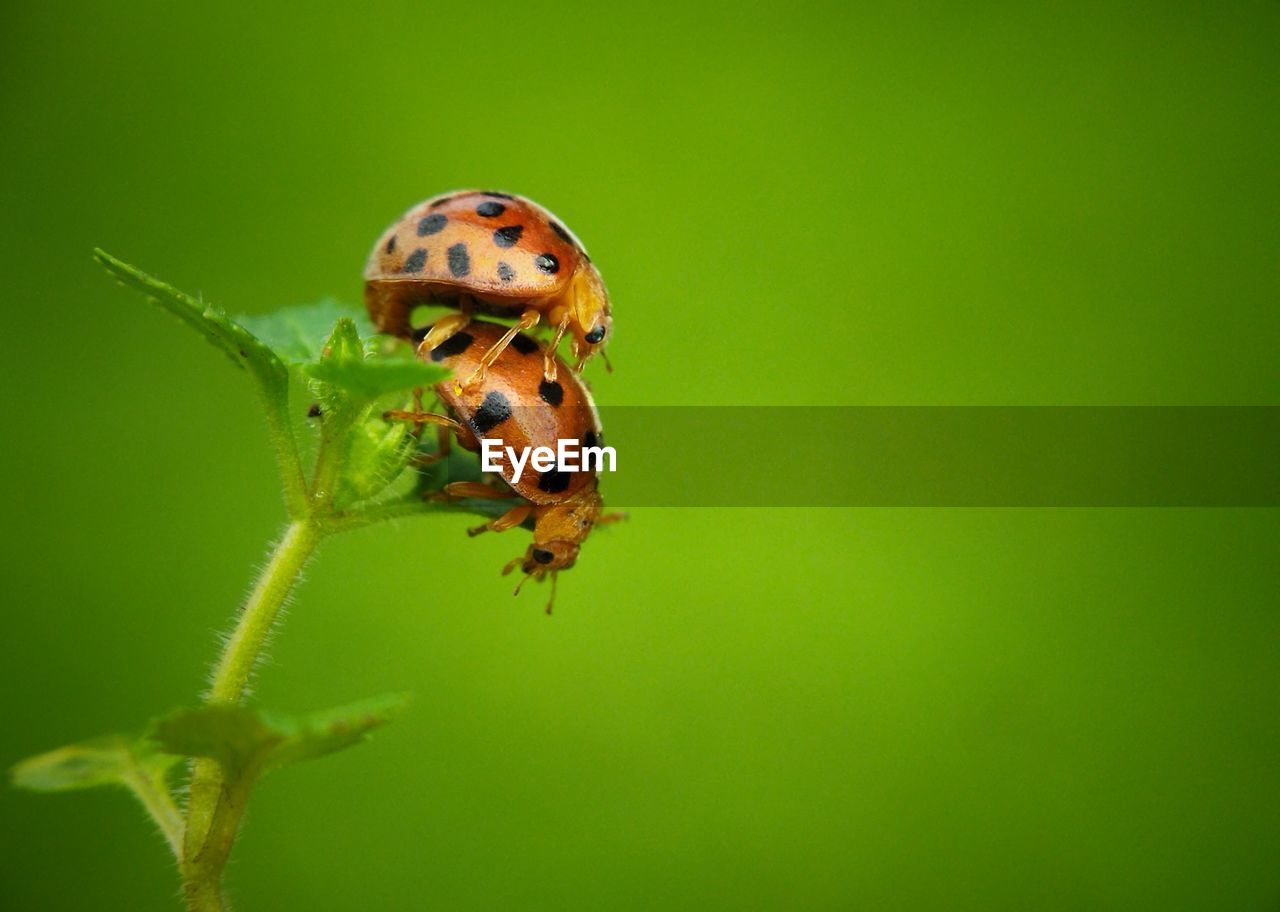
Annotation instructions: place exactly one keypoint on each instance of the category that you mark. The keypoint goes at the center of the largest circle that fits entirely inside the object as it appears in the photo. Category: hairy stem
(202, 865)
(215, 805)
(330, 458)
(292, 478)
(155, 797)
(231, 677)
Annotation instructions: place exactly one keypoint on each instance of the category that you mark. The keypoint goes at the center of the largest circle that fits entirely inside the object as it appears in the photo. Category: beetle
(515, 404)
(492, 252)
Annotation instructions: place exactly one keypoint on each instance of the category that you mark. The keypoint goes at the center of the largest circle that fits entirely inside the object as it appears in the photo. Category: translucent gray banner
(995, 456)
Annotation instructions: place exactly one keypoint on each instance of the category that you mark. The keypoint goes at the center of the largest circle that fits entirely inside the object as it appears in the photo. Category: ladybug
(518, 407)
(480, 250)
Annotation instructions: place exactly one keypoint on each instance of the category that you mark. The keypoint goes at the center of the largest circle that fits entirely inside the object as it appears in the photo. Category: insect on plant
(491, 252)
(362, 469)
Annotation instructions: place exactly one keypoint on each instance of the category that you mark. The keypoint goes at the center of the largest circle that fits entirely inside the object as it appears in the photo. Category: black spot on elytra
(501, 196)
(589, 439)
(492, 412)
(562, 232)
(432, 224)
(490, 209)
(454, 345)
(459, 260)
(523, 344)
(505, 272)
(508, 236)
(416, 261)
(543, 556)
(391, 244)
(547, 262)
(553, 481)
(552, 392)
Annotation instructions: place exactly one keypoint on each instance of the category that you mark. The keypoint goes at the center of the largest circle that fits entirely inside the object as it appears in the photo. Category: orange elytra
(516, 405)
(491, 252)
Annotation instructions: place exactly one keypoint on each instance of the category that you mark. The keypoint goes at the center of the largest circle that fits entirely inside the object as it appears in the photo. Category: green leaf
(248, 741)
(358, 454)
(298, 334)
(378, 451)
(233, 735)
(112, 760)
(242, 346)
(324, 732)
(270, 375)
(392, 367)
(109, 760)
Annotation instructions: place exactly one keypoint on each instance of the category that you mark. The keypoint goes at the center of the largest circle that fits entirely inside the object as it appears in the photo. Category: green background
(890, 709)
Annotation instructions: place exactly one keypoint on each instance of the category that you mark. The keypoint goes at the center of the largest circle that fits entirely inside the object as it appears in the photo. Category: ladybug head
(558, 533)
(544, 557)
(592, 323)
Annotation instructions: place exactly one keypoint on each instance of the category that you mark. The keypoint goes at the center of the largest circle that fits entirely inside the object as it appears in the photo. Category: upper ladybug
(492, 252)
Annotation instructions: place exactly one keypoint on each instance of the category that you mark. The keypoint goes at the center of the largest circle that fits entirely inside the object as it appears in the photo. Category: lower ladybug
(516, 406)
(481, 250)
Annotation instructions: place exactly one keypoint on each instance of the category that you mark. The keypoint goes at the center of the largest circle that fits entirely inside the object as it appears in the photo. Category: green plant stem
(231, 677)
(293, 479)
(216, 805)
(330, 457)
(400, 508)
(410, 506)
(155, 797)
(202, 865)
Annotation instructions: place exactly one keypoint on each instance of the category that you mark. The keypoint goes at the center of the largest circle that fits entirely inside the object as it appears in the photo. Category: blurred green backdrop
(800, 203)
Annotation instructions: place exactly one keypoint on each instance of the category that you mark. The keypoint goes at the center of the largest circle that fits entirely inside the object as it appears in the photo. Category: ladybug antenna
(520, 585)
(551, 601)
(511, 565)
(607, 365)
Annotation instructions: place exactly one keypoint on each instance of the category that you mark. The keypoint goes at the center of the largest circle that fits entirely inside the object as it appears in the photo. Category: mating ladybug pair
(495, 253)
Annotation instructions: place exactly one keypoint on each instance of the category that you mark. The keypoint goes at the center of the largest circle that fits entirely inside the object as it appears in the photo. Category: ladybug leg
(551, 601)
(528, 320)
(477, 490)
(417, 407)
(549, 356)
(446, 327)
(420, 418)
(605, 519)
(509, 520)
(444, 444)
(577, 368)
(473, 489)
